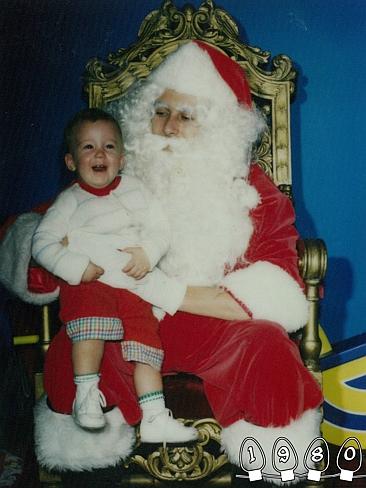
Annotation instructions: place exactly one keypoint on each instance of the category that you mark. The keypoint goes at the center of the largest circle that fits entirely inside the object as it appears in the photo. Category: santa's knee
(262, 339)
(266, 331)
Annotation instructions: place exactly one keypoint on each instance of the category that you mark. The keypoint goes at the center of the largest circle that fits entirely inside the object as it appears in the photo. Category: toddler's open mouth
(99, 168)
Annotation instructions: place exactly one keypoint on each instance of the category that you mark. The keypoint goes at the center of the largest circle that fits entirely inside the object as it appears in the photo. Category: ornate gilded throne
(272, 86)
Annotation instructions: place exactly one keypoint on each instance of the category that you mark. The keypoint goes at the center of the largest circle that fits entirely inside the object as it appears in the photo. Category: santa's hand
(92, 273)
(139, 265)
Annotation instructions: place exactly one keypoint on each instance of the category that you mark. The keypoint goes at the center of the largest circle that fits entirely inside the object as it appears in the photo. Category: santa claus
(189, 130)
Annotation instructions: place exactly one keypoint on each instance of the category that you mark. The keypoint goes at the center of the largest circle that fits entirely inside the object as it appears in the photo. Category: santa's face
(175, 115)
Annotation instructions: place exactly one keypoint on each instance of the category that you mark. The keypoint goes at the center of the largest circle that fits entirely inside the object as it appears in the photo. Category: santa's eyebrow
(187, 109)
(160, 104)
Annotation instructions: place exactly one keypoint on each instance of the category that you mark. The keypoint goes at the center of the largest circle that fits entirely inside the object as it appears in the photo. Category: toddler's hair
(80, 118)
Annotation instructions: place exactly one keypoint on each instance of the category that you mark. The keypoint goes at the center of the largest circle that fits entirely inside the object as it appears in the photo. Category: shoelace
(95, 393)
(167, 412)
(101, 398)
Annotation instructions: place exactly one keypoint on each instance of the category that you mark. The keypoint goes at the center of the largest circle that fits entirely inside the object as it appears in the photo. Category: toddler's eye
(110, 146)
(88, 146)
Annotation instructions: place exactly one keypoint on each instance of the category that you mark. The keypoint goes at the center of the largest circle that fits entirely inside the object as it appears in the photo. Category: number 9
(283, 454)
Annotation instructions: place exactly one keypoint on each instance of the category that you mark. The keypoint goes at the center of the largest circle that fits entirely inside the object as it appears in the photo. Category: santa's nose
(171, 127)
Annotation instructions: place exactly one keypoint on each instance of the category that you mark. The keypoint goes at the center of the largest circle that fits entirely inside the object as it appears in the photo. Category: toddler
(103, 237)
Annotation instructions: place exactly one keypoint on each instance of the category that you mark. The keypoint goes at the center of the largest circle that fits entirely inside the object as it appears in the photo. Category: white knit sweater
(97, 227)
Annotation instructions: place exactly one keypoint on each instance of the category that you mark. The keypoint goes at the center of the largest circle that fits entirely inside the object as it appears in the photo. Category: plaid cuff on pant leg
(141, 353)
(104, 328)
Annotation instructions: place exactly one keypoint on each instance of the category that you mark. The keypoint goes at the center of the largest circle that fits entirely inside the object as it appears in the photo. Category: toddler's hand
(92, 273)
(139, 265)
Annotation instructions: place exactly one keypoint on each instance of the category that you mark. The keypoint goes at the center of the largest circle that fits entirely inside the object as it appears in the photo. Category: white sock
(152, 403)
(83, 383)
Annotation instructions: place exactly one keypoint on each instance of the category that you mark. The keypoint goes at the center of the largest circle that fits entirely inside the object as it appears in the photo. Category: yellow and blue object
(344, 386)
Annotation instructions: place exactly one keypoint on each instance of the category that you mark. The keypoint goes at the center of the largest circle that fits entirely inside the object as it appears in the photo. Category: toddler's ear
(69, 161)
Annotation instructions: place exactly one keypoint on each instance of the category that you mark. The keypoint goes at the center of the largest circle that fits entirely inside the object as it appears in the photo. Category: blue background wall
(46, 44)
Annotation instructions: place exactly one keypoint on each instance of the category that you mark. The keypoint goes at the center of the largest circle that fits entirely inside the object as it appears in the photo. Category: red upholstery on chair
(185, 397)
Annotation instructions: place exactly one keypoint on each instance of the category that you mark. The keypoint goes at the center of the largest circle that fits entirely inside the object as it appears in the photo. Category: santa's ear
(69, 161)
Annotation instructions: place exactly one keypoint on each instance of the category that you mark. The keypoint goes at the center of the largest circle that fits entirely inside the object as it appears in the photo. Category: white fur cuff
(61, 445)
(270, 294)
(15, 256)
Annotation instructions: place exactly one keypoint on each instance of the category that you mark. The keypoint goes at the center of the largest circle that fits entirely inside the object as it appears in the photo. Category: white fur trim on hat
(300, 432)
(190, 70)
(15, 256)
(61, 445)
(270, 294)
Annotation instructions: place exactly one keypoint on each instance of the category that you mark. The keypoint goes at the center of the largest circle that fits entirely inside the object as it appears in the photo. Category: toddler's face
(98, 153)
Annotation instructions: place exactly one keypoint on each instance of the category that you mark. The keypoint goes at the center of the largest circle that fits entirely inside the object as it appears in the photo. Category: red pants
(98, 311)
(250, 370)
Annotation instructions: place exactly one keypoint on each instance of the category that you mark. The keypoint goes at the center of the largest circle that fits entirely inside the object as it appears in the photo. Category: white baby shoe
(162, 427)
(87, 409)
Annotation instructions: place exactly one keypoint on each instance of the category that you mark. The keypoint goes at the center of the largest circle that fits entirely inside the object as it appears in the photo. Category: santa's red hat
(200, 69)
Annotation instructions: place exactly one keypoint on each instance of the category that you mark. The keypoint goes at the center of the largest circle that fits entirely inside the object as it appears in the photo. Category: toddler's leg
(157, 423)
(89, 400)
(87, 356)
(90, 313)
(142, 346)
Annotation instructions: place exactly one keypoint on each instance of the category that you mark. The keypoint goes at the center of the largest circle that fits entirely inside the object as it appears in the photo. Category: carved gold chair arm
(312, 264)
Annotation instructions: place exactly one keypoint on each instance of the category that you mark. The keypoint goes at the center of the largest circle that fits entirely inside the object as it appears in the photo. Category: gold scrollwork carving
(208, 23)
(262, 154)
(185, 463)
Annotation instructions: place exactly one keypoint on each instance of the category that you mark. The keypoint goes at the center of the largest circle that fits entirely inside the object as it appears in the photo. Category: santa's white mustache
(176, 145)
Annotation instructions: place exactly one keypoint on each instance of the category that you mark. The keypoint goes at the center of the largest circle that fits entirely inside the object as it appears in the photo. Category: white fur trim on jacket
(15, 256)
(301, 433)
(270, 294)
(61, 445)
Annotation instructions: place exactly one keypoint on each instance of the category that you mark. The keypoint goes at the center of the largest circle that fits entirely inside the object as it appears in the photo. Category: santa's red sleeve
(30, 283)
(266, 279)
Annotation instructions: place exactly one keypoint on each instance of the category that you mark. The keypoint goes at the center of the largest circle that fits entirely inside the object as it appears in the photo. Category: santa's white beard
(202, 189)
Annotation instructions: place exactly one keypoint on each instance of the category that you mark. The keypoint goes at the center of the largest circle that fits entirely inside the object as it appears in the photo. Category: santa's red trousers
(250, 370)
